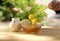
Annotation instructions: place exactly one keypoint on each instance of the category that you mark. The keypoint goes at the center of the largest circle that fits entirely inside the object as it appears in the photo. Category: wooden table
(47, 33)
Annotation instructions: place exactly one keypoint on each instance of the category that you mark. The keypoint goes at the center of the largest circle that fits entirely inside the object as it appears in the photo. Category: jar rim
(15, 19)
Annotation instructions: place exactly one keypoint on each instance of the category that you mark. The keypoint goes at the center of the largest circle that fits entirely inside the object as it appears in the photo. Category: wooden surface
(47, 33)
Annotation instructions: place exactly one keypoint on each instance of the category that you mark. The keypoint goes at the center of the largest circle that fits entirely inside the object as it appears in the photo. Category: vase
(15, 25)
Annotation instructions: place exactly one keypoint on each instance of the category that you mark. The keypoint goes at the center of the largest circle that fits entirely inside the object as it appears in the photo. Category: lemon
(31, 16)
(35, 20)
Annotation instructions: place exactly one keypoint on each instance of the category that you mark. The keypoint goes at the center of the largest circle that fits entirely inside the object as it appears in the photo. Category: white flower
(15, 9)
(43, 2)
(40, 2)
(20, 10)
(28, 8)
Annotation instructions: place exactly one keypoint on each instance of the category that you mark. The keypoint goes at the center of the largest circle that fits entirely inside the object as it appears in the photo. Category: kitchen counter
(47, 33)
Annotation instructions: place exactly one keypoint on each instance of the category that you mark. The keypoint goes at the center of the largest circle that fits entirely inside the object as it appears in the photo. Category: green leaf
(1, 13)
(2, 18)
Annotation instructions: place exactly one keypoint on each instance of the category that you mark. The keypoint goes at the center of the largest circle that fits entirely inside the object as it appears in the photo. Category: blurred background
(6, 7)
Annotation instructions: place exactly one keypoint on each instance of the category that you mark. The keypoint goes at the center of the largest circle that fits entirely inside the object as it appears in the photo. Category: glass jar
(15, 25)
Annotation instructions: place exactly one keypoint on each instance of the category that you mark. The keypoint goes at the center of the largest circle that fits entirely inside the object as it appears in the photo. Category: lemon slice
(25, 22)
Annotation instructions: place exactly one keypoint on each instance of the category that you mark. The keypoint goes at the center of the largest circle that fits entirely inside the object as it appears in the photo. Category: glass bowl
(31, 28)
